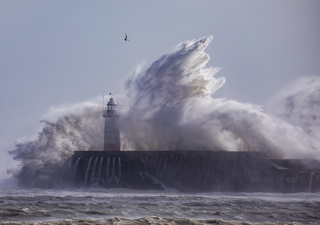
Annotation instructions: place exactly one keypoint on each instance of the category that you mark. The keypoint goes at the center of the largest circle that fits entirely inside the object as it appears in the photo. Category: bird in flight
(126, 38)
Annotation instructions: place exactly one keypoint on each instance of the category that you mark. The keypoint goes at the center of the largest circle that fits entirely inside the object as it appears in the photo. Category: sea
(125, 206)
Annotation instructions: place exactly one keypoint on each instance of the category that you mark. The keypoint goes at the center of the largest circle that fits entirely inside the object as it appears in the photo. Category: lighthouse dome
(112, 102)
(111, 108)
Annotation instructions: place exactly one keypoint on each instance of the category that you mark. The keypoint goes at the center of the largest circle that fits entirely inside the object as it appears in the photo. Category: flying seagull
(126, 38)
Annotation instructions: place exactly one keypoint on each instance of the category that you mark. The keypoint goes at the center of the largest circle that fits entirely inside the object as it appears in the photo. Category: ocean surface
(123, 206)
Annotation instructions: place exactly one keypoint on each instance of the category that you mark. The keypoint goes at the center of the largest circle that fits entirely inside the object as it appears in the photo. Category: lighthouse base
(108, 147)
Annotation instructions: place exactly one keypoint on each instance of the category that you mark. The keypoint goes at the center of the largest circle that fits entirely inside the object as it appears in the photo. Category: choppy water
(122, 206)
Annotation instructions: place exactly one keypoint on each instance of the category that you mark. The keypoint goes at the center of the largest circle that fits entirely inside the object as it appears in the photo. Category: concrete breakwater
(191, 171)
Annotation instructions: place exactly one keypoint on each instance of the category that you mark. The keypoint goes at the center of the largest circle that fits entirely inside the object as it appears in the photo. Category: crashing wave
(171, 106)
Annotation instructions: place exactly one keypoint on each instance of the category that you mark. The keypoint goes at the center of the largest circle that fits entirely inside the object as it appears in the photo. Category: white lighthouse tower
(111, 127)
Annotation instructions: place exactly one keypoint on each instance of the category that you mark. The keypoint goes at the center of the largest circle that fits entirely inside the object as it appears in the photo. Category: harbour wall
(191, 171)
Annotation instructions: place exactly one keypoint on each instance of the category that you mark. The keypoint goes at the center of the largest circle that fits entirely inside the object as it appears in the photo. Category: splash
(78, 127)
(171, 106)
(299, 104)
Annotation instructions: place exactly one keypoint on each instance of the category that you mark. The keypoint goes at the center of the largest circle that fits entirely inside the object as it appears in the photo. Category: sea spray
(76, 127)
(299, 104)
(170, 106)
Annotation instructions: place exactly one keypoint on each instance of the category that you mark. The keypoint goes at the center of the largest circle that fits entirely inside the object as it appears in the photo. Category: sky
(63, 52)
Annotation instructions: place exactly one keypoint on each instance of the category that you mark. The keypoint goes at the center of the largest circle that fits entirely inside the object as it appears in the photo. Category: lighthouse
(111, 127)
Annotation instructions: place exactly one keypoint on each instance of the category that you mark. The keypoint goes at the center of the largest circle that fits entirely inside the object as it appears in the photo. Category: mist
(171, 105)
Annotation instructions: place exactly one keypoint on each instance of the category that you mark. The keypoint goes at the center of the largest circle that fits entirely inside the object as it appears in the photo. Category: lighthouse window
(112, 107)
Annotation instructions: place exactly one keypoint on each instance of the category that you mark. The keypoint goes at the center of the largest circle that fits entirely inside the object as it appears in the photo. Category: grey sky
(56, 52)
